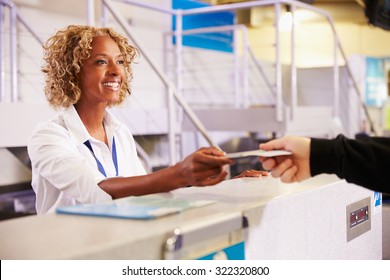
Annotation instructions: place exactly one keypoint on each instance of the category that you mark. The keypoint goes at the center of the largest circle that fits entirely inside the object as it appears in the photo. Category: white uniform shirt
(64, 170)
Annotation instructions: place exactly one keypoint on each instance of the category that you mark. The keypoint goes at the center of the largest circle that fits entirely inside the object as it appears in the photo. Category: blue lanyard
(99, 164)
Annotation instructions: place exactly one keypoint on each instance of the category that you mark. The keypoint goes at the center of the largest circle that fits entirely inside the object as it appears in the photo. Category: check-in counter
(321, 218)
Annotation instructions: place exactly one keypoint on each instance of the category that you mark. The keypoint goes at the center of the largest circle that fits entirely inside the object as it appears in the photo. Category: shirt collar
(76, 127)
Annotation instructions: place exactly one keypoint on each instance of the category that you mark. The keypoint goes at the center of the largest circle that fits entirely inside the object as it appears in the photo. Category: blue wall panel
(220, 41)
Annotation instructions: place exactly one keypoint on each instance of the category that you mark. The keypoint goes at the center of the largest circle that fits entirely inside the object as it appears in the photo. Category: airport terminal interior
(225, 73)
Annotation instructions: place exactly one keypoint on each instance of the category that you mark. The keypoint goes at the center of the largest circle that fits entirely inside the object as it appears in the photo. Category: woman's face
(102, 74)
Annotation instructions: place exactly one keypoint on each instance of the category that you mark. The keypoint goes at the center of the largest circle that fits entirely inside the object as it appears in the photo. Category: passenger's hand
(252, 173)
(205, 167)
(291, 168)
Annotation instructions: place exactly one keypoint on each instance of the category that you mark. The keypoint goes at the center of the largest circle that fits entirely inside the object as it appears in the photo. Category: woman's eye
(121, 62)
(101, 61)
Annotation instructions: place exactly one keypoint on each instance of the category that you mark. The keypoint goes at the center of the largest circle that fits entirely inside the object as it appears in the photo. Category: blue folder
(134, 207)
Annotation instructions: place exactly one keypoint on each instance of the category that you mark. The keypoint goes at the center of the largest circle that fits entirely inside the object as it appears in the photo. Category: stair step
(231, 119)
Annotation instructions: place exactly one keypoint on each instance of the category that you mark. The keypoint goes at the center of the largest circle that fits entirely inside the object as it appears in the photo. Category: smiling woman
(85, 155)
(69, 49)
(100, 80)
(102, 73)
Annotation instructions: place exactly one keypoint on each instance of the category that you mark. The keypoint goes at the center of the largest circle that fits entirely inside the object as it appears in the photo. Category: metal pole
(171, 127)
(294, 98)
(2, 46)
(13, 56)
(179, 52)
(236, 71)
(278, 66)
(179, 84)
(336, 78)
(245, 77)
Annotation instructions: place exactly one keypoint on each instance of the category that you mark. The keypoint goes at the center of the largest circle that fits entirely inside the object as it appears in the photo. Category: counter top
(58, 236)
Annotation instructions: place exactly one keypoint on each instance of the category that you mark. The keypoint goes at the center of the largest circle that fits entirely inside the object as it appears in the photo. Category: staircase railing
(14, 17)
(172, 91)
(175, 90)
(277, 89)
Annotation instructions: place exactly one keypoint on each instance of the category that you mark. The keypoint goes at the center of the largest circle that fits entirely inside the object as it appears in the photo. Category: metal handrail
(240, 102)
(14, 17)
(277, 4)
(179, 13)
(246, 50)
(355, 84)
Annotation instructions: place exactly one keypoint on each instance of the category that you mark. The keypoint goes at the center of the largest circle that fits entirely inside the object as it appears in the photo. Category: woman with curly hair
(84, 154)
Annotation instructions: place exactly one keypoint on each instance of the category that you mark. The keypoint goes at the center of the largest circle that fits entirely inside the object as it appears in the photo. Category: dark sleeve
(362, 162)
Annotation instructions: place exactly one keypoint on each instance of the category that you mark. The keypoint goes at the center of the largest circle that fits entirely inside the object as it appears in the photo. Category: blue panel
(234, 252)
(376, 90)
(220, 41)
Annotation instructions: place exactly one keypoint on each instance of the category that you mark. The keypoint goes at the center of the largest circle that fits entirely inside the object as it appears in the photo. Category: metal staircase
(249, 95)
(285, 106)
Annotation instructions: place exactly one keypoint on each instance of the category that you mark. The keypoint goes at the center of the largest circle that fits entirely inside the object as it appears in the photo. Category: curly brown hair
(64, 56)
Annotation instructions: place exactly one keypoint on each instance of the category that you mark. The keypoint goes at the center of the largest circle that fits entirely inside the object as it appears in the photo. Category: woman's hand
(204, 167)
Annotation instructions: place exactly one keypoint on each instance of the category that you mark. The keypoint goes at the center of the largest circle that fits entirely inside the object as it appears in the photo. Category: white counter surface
(265, 201)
